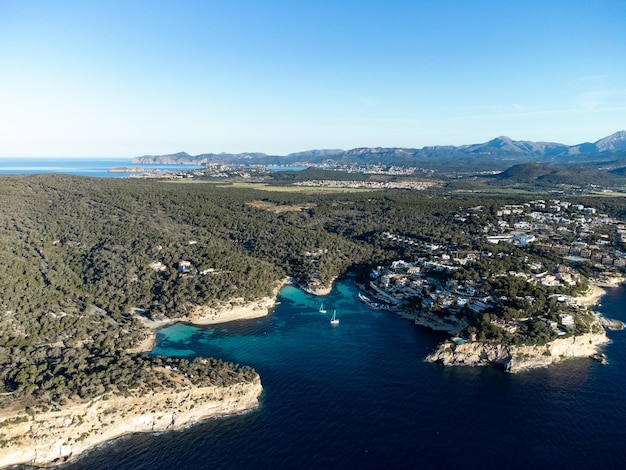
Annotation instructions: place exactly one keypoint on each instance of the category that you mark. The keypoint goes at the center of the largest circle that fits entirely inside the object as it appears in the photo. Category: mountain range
(496, 154)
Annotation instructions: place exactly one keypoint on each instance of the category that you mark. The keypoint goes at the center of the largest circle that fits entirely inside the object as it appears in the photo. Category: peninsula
(169, 394)
(518, 303)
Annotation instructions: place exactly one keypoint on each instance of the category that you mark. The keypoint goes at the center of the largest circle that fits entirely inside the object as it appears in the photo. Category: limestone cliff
(52, 437)
(517, 358)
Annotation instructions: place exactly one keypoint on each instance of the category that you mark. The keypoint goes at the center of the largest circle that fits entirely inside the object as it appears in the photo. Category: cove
(358, 395)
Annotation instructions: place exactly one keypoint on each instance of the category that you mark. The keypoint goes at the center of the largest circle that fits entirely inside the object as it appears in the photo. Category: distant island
(508, 266)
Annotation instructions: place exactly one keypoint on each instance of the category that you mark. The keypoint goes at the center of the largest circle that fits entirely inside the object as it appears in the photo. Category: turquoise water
(265, 341)
(358, 395)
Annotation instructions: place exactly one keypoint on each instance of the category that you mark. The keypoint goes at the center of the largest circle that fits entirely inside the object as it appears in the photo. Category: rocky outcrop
(611, 324)
(517, 358)
(53, 437)
(319, 290)
(315, 286)
(180, 158)
(183, 158)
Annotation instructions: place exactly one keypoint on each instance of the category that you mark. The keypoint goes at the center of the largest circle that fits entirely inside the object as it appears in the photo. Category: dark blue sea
(359, 395)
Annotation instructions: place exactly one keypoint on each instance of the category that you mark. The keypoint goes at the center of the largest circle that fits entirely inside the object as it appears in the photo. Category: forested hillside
(79, 255)
(71, 242)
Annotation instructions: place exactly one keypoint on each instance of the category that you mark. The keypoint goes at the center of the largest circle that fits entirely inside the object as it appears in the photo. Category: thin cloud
(595, 99)
(591, 78)
(601, 101)
(554, 112)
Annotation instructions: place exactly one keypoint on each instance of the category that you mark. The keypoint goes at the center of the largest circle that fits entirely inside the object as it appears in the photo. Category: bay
(359, 395)
(94, 167)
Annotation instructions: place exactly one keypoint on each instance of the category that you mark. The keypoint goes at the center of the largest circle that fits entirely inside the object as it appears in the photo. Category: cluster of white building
(404, 281)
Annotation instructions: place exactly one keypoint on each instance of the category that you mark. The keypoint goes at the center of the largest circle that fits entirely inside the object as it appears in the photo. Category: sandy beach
(591, 297)
(598, 288)
(233, 310)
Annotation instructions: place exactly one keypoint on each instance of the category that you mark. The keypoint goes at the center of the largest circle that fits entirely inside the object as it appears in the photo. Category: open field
(503, 191)
(279, 208)
(287, 189)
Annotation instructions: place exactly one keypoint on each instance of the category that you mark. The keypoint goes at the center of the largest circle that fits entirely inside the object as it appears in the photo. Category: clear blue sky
(126, 78)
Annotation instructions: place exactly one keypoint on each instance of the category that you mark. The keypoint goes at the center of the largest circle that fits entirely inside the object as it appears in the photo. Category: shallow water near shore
(358, 395)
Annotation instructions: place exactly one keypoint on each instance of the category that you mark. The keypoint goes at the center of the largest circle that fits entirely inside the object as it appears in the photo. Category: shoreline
(233, 310)
(51, 438)
(515, 359)
(592, 297)
(44, 439)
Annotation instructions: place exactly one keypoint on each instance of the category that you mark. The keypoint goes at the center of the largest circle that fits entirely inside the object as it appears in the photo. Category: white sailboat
(322, 309)
(334, 320)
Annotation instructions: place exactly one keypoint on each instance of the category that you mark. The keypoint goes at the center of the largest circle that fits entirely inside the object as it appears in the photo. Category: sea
(94, 167)
(358, 395)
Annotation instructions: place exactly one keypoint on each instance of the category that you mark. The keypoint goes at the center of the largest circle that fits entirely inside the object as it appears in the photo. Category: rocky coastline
(46, 439)
(517, 358)
(511, 358)
(514, 359)
(315, 287)
(49, 438)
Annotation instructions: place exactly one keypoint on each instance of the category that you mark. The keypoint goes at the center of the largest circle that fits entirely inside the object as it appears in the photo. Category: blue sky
(126, 78)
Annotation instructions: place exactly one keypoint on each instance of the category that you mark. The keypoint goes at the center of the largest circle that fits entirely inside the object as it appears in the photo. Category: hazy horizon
(124, 79)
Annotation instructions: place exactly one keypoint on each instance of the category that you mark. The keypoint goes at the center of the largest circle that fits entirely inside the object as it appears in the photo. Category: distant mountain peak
(618, 135)
(501, 140)
(486, 156)
(615, 141)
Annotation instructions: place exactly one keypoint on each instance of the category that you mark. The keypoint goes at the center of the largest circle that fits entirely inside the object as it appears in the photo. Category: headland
(58, 435)
(53, 437)
(516, 358)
